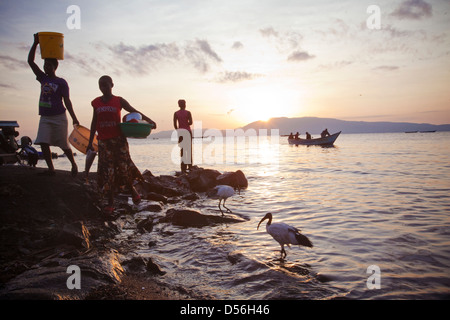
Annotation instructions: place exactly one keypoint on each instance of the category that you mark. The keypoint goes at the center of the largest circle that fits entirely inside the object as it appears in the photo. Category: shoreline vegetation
(49, 223)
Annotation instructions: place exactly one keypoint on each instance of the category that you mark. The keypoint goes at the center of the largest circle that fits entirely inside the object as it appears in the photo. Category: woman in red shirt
(115, 166)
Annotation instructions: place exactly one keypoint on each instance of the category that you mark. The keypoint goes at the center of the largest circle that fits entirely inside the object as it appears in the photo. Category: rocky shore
(51, 223)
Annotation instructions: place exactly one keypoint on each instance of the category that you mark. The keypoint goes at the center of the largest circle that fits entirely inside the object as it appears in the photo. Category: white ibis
(284, 234)
(222, 192)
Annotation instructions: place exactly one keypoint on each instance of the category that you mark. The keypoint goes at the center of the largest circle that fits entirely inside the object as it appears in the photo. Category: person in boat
(325, 133)
(308, 136)
(53, 103)
(291, 136)
(297, 135)
(182, 119)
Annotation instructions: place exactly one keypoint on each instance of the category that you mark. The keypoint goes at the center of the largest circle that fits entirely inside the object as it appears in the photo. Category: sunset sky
(237, 61)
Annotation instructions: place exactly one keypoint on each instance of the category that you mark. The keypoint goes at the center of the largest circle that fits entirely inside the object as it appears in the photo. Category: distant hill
(315, 126)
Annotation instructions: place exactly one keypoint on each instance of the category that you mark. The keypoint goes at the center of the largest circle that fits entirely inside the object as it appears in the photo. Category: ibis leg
(220, 207)
(228, 210)
(283, 252)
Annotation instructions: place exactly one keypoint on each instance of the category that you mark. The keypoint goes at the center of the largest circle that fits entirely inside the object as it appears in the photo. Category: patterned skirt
(115, 167)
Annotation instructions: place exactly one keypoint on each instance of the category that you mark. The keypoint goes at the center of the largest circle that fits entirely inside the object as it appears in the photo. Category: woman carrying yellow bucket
(53, 103)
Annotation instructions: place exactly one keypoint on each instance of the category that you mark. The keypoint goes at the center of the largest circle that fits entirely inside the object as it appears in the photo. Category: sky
(236, 61)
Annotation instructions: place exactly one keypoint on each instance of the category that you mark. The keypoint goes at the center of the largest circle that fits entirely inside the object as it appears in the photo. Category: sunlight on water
(372, 199)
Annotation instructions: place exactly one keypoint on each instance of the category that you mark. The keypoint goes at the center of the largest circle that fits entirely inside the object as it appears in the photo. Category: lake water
(378, 200)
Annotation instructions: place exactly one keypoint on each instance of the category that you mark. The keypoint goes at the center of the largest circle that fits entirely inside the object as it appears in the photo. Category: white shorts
(53, 131)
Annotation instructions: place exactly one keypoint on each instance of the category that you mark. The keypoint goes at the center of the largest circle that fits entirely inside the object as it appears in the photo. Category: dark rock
(75, 234)
(153, 268)
(155, 197)
(50, 282)
(156, 187)
(190, 196)
(135, 265)
(145, 225)
(152, 207)
(142, 265)
(200, 180)
(193, 218)
(184, 217)
(234, 257)
(147, 174)
(124, 208)
(237, 179)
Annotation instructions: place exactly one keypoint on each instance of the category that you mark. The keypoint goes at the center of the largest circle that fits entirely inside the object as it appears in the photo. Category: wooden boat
(326, 141)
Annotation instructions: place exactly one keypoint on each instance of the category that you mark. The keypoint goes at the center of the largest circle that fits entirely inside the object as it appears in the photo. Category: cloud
(335, 65)
(141, 60)
(288, 40)
(206, 48)
(300, 56)
(199, 53)
(7, 86)
(386, 68)
(397, 33)
(268, 32)
(90, 65)
(413, 9)
(237, 45)
(12, 63)
(144, 59)
(285, 42)
(236, 76)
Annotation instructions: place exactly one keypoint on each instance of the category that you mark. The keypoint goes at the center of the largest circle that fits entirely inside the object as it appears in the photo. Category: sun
(262, 102)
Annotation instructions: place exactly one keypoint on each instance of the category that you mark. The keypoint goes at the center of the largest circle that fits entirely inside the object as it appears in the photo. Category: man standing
(182, 120)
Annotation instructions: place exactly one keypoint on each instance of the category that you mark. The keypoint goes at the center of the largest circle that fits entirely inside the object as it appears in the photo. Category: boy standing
(53, 123)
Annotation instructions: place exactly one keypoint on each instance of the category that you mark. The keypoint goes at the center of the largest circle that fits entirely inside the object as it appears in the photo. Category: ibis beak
(267, 216)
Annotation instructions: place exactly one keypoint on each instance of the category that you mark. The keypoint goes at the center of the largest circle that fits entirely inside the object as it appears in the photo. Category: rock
(134, 265)
(156, 187)
(190, 196)
(184, 217)
(152, 207)
(153, 268)
(237, 179)
(75, 234)
(155, 197)
(200, 180)
(142, 265)
(50, 282)
(145, 225)
(193, 218)
(147, 174)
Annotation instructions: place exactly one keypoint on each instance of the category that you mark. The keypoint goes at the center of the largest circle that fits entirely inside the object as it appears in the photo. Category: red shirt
(108, 117)
(183, 119)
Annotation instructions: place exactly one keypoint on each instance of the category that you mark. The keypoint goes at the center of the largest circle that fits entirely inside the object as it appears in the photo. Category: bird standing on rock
(222, 192)
(284, 234)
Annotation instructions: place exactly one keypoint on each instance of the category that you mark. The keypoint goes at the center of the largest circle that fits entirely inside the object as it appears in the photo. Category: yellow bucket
(52, 45)
(79, 138)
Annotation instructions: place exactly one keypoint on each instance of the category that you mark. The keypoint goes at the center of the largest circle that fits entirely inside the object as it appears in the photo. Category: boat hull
(326, 141)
